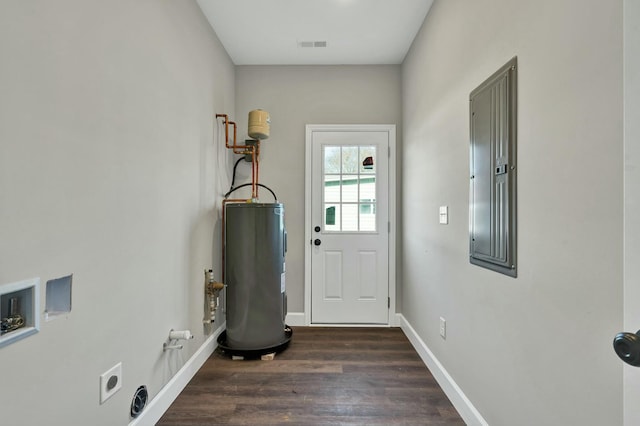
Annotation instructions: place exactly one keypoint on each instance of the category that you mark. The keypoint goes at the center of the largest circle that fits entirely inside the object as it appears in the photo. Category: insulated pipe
(254, 173)
(257, 149)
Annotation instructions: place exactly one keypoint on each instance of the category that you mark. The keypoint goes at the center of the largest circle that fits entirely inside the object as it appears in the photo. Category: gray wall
(300, 95)
(535, 350)
(107, 173)
(108, 170)
(631, 199)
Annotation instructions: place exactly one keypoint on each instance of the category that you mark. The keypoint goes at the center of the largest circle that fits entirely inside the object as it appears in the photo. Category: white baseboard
(298, 319)
(467, 411)
(163, 400)
(396, 320)
(295, 319)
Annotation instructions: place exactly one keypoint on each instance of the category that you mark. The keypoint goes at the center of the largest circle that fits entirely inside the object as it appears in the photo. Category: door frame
(631, 223)
(391, 130)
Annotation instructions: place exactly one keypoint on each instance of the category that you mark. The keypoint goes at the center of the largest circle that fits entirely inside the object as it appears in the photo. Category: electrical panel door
(492, 200)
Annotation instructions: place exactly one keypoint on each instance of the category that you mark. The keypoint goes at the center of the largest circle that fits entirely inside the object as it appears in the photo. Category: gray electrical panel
(492, 195)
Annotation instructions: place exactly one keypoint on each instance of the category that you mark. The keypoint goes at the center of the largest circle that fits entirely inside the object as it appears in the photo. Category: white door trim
(391, 130)
(631, 270)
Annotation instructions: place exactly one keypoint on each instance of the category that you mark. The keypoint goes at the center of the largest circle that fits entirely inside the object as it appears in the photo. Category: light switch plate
(443, 328)
(444, 215)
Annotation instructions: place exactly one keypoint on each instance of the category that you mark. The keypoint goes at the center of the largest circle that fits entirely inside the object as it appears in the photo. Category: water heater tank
(255, 247)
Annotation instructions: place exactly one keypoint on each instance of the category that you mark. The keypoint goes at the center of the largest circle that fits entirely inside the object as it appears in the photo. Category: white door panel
(349, 226)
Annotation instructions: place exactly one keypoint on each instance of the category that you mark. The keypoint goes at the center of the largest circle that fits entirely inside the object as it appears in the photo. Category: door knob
(627, 346)
(317, 242)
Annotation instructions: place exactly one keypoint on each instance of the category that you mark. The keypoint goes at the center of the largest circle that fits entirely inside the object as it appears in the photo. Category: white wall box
(58, 297)
(492, 192)
(19, 307)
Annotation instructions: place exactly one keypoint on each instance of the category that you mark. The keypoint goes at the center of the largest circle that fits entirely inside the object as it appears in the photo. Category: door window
(349, 196)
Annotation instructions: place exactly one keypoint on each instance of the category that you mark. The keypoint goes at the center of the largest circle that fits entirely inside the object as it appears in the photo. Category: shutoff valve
(212, 290)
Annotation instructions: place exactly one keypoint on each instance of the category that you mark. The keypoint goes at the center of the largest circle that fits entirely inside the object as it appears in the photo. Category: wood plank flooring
(327, 376)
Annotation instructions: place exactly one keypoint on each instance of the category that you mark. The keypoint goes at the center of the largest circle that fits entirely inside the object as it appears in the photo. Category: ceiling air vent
(312, 44)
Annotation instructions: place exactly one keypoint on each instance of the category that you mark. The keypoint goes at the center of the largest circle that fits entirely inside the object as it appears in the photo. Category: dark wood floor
(327, 376)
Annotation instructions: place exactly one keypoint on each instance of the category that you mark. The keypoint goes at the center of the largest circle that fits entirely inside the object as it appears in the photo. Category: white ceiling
(269, 32)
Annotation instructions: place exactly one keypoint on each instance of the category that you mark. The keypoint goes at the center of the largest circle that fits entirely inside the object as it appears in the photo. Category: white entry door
(349, 223)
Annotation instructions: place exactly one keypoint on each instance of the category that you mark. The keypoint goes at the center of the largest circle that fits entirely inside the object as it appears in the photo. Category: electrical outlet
(110, 382)
(443, 328)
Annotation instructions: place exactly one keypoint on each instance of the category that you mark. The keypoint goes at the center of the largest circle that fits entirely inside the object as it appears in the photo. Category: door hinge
(388, 303)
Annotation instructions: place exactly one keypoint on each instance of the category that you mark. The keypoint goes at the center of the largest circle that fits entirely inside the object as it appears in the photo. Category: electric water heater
(255, 247)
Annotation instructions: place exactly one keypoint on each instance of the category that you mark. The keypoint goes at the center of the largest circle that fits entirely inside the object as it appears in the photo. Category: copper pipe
(235, 131)
(226, 126)
(235, 137)
(235, 146)
(254, 150)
